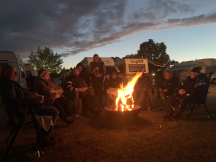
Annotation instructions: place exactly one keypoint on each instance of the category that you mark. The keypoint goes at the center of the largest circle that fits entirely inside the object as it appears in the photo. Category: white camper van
(108, 62)
(9, 58)
(130, 66)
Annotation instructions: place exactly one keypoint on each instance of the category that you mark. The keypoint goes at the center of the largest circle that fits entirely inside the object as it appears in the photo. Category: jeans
(47, 111)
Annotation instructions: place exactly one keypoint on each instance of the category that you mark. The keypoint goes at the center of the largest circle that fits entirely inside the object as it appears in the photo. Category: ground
(150, 138)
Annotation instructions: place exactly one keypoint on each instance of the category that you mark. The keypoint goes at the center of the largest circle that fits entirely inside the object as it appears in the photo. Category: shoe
(69, 120)
(173, 118)
(167, 116)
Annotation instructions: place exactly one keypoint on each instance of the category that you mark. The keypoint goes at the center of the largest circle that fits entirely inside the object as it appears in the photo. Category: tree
(155, 52)
(173, 62)
(131, 56)
(45, 59)
(116, 58)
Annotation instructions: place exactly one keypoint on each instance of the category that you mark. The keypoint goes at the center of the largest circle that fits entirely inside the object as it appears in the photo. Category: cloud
(81, 25)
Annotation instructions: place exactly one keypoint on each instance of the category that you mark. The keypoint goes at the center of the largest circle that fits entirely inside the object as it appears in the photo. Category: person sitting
(165, 88)
(52, 92)
(18, 99)
(88, 101)
(188, 91)
(83, 73)
(141, 90)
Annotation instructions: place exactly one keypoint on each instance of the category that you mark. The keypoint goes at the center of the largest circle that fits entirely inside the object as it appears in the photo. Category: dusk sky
(80, 28)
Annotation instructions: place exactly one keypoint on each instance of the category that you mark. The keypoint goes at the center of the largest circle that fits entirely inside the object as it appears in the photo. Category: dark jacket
(97, 65)
(77, 81)
(85, 75)
(43, 87)
(169, 84)
(14, 96)
(195, 85)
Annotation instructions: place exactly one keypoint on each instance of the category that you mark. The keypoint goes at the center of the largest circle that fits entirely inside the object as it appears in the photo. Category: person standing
(83, 73)
(97, 70)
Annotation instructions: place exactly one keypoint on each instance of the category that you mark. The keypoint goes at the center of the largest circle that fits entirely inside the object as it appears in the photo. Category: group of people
(48, 98)
(175, 96)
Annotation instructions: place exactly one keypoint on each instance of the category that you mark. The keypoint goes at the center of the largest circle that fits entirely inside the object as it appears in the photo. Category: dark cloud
(81, 25)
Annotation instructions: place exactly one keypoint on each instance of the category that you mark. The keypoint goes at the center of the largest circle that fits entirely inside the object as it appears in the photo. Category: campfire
(124, 110)
(124, 100)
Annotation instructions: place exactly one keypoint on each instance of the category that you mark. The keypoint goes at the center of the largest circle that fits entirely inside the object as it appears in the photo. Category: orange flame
(124, 100)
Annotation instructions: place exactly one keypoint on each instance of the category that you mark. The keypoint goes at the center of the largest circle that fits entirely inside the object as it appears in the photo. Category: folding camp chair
(18, 122)
(200, 99)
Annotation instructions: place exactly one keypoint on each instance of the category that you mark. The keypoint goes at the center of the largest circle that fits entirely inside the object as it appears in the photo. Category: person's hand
(160, 90)
(94, 71)
(165, 90)
(60, 91)
(36, 94)
(39, 99)
(181, 91)
(107, 76)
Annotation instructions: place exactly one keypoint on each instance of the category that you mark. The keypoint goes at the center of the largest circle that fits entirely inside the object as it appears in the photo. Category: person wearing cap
(97, 70)
(187, 93)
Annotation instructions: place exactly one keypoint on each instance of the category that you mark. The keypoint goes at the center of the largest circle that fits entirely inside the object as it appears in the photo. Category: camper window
(136, 68)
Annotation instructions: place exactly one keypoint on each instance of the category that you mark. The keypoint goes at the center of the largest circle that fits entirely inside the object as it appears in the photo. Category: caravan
(9, 58)
(130, 66)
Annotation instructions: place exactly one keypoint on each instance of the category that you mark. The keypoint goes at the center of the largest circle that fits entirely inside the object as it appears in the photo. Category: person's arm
(41, 87)
(9, 96)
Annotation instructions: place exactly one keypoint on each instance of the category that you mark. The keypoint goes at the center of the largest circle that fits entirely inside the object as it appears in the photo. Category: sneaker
(71, 118)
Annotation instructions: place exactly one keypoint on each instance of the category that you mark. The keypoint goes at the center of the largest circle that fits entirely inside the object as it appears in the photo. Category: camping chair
(201, 98)
(18, 122)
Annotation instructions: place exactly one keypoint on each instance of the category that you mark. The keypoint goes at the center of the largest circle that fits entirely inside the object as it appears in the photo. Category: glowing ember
(124, 100)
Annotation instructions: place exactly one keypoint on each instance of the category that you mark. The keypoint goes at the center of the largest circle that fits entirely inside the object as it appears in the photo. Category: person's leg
(47, 111)
(57, 104)
(100, 91)
(156, 98)
(44, 134)
(66, 105)
(183, 102)
(84, 105)
(170, 105)
(163, 96)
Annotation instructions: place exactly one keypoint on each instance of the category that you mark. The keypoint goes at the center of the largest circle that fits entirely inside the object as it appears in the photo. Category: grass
(150, 138)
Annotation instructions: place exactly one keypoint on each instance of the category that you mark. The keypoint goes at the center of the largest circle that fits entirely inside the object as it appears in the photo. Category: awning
(155, 64)
(182, 66)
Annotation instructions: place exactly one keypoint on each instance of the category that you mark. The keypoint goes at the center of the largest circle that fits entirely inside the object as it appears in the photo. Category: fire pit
(127, 115)
(124, 108)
